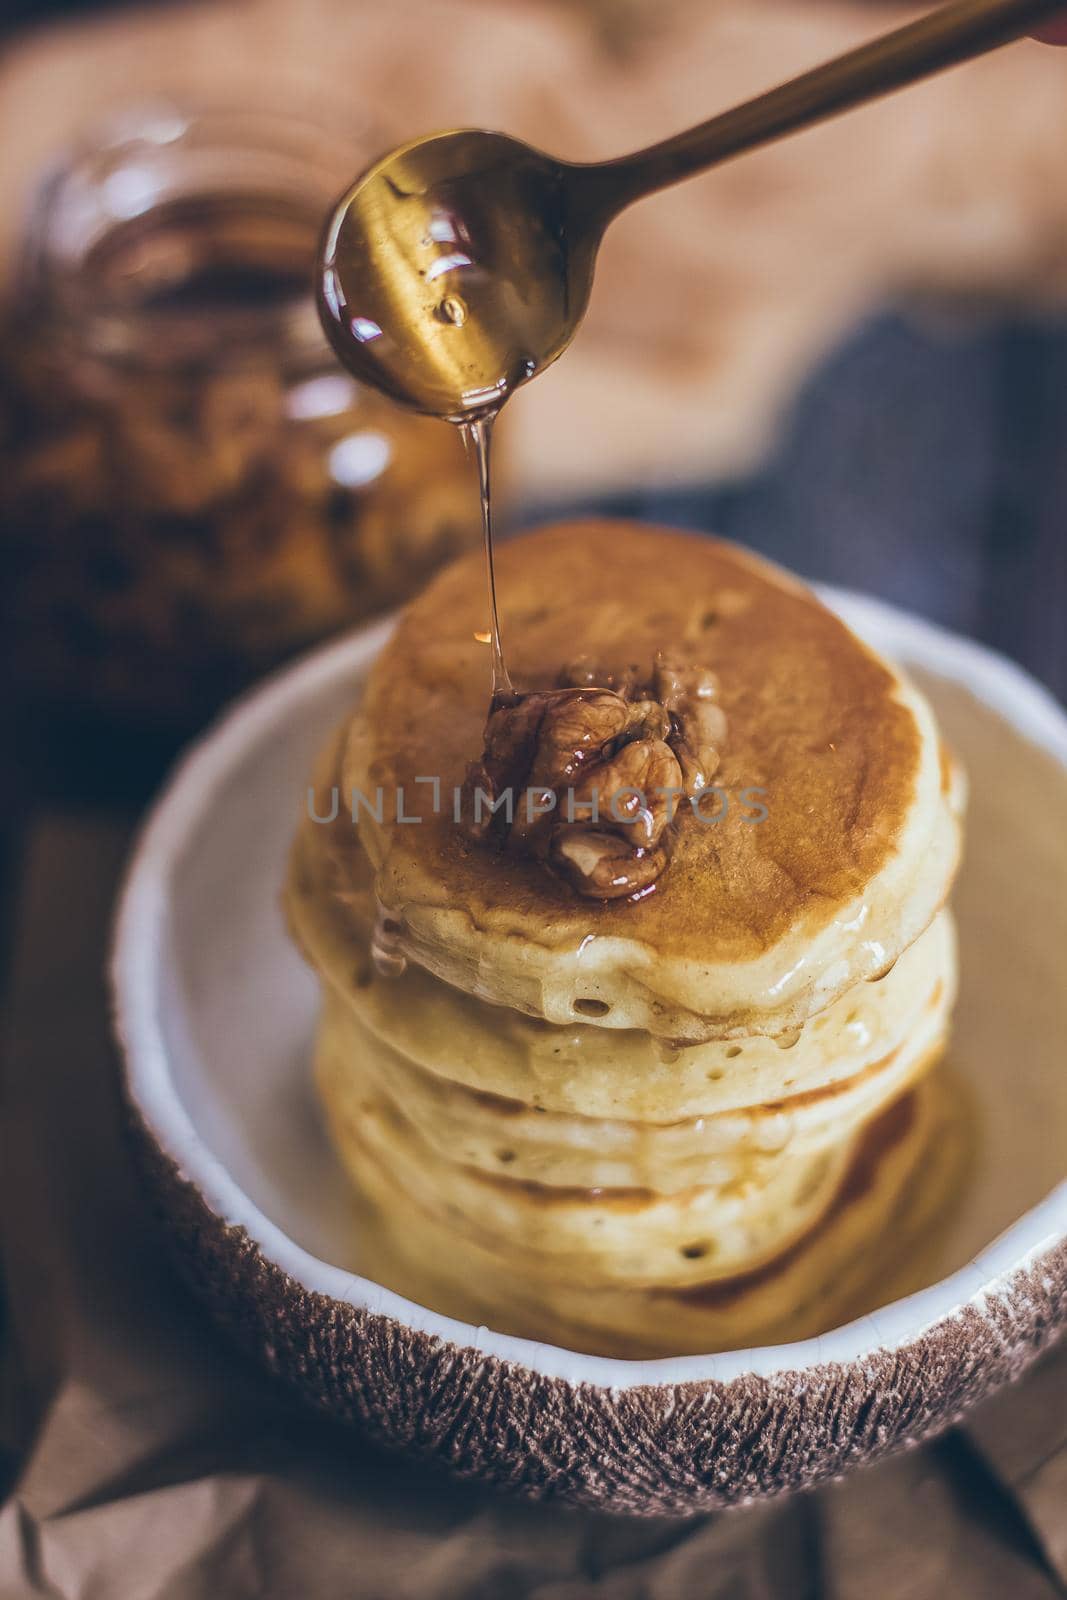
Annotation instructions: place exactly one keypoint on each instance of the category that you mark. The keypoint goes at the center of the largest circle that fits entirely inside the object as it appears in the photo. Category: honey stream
(477, 436)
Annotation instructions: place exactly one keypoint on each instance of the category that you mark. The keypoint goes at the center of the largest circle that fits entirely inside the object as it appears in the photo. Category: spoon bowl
(455, 269)
(460, 266)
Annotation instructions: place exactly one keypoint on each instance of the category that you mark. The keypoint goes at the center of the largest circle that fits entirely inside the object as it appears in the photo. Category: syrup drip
(477, 436)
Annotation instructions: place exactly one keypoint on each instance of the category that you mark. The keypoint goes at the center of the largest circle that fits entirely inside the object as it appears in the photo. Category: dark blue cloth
(926, 463)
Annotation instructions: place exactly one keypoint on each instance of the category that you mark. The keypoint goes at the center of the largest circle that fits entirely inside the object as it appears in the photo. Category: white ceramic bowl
(215, 1012)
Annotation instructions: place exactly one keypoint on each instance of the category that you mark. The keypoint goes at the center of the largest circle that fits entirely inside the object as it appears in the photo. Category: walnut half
(587, 777)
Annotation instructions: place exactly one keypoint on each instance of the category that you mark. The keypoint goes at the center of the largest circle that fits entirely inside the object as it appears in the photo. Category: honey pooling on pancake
(682, 1122)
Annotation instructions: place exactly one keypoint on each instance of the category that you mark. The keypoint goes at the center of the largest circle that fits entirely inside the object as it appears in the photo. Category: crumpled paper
(144, 1460)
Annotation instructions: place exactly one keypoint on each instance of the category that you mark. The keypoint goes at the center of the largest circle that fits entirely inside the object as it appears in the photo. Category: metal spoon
(459, 266)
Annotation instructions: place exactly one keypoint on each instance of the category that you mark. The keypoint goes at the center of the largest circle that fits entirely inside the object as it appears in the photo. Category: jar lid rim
(142, 160)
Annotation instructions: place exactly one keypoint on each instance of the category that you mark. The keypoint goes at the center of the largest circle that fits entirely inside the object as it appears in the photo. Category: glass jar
(191, 488)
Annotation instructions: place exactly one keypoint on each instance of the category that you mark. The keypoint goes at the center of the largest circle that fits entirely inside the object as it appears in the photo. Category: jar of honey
(191, 488)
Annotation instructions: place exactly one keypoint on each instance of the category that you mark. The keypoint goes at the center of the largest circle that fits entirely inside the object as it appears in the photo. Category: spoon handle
(951, 34)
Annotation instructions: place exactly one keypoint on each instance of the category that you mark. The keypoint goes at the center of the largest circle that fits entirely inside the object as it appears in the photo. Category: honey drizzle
(477, 435)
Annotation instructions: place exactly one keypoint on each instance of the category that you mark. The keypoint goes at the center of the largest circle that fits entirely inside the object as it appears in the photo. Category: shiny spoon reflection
(460, 266)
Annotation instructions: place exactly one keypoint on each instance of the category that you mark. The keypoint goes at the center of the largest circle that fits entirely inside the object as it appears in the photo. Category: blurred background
(848, 351)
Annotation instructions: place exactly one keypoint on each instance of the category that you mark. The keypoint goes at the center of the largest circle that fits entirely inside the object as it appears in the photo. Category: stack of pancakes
(698, 1119)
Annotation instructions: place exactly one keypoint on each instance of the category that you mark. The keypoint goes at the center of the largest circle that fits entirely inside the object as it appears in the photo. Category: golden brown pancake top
(812, 718)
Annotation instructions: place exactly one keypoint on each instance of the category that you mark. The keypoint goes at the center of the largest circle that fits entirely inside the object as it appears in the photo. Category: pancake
(735, 1208)
(611, 1074)
(886, 1205)
(491, 1132)
(673, 1119)
(754, 926)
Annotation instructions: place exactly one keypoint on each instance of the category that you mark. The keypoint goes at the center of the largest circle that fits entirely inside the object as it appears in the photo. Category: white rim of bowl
(136, 972)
